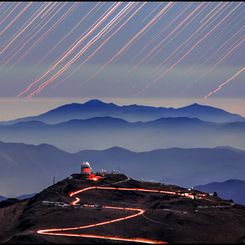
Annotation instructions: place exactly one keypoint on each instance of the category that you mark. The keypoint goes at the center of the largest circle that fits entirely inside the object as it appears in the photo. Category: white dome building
(86, 168)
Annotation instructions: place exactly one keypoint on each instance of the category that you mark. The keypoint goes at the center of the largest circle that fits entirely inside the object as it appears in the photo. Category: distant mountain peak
(98, 103)
(117, 150)
(94, 102)
(196, 105)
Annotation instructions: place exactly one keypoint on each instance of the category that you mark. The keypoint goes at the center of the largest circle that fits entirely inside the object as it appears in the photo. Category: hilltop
(171, 218)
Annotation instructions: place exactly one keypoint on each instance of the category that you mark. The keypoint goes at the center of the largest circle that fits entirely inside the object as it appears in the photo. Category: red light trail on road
(139, 211)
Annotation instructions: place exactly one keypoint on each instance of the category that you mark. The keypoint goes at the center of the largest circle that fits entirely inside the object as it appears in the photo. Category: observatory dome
(85, 165)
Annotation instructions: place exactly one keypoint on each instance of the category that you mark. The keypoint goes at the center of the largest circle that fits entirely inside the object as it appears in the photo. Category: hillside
(159, 217)
(30, 168)
(229, 189)
(132, 113)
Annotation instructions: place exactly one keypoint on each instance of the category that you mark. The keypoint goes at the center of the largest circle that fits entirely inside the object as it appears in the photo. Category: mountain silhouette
(105, 132)
(29, 168)
(230, 189)
(132, 113)
(2, 198)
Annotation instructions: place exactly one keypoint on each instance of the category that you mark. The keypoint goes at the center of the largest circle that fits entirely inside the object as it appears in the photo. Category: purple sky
(160, 50)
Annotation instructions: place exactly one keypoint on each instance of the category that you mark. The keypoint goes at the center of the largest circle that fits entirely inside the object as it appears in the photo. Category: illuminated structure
(86, 169)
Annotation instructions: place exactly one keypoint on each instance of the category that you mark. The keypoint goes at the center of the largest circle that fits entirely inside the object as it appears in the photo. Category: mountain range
(183, 146)
(2, 198)
(229, 189)
(105, 132)
(131, 113)
(98, 125)
(29, 168)
(21, 197)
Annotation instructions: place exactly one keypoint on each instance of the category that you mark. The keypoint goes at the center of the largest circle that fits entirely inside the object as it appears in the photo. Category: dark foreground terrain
(170, 218)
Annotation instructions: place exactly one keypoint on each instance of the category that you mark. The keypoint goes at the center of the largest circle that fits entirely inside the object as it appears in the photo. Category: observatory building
(86, 171)
(86, 168)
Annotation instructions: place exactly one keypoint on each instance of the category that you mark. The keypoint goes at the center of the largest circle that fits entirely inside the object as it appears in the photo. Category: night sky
(157, 50)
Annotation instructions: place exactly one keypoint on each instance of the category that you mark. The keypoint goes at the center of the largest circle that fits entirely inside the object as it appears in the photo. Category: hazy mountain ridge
(97, 108)
(37, 165)
(107, 121)
(230, 189)
(21, 197)
(76, 134)
(2, 198)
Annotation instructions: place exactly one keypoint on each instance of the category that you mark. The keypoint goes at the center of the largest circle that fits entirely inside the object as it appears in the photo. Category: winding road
(136, 212)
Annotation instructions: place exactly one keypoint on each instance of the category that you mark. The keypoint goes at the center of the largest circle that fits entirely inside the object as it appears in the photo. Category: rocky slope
(170, 218)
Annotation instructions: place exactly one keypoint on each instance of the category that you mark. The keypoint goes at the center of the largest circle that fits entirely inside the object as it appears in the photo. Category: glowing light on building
(86, 168)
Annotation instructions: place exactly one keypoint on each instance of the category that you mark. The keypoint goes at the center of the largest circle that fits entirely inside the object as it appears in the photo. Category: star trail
(58, 41)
